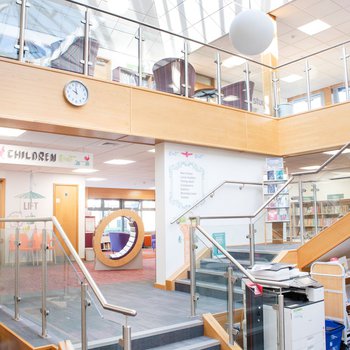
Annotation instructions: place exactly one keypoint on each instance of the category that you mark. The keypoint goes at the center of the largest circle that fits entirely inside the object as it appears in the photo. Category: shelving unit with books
(328, 212)
(278, 211)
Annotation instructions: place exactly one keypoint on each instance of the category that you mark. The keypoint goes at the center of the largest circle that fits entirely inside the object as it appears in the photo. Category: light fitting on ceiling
(118, 7)
(310, 167)
(84, 171)
(10, 132)
(251, 32)
(119, 161)
(314, 27)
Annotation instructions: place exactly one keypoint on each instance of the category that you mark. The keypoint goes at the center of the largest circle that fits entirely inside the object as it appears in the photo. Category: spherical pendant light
(251, 32)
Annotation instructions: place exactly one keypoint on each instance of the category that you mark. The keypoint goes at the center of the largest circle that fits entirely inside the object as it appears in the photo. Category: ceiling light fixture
(96, 179)
(310, 167)
(153, 150)
(84, 171)
(10, 132)
(314, 27)
(230, 98)
(291, 78)
(119, 161)
(233, 61)
(332, 153)
(251, 32)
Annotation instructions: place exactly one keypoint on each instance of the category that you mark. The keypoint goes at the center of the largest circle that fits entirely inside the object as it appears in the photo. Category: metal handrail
(202, 43)
(293, 175)
(238, 265)
(86, 273)
(211, 193)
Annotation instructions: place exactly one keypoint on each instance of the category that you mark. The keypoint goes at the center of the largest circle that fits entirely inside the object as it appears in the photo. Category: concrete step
(198, 343)
(214, 290)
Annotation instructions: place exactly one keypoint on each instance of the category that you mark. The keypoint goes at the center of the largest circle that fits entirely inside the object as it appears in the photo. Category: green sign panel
(220, 237)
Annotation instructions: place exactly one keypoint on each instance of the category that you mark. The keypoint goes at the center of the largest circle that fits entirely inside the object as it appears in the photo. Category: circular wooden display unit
(134, 250)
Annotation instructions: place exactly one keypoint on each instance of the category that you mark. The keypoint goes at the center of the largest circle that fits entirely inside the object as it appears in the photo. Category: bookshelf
(328, 212)
(278, 211)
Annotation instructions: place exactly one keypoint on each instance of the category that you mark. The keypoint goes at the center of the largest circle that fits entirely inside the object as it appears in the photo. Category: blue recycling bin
(334, 332)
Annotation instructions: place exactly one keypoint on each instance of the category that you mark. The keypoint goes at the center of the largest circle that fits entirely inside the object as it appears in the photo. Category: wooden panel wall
(35, 94)
(120, 193)
(315, 130)
(32, 98)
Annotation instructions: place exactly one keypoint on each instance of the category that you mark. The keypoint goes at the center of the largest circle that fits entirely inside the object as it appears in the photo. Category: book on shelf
(272, 215)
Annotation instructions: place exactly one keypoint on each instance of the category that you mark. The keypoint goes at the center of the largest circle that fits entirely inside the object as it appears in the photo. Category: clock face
(76, 93)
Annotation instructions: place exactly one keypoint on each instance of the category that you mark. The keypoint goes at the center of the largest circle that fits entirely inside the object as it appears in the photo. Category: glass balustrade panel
(54, 35)
(203, 60)
(9, 28)
(327, 78)
(164, 64)
(292, 89)
(115, 49)
(262, 95)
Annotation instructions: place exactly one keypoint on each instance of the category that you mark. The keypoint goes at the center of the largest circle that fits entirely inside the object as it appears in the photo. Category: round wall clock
(76, 93)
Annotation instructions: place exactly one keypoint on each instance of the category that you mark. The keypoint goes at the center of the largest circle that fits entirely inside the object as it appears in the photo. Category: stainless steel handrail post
(280, 322)
(251, 243)
(85, 60)
(22, 24)
(139, 54)
(275, 80)
(247, 73)
(44, 311)
(17, 297)
(314, 190)
(186, 67)
(84, 304)
(194, 297)
(301, 211)
(218, 77)
(126, 337)
(307, 75)
(346, 76)
(230, 282)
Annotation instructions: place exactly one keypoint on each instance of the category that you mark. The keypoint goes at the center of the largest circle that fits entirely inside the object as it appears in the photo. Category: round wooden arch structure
(134, 250)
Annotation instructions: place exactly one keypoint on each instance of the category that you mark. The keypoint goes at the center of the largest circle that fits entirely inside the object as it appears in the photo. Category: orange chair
(12, 245)
(26, 245)
(37, 242)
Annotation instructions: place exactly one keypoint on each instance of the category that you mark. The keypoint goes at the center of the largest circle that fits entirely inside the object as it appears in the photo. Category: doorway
(65, 208)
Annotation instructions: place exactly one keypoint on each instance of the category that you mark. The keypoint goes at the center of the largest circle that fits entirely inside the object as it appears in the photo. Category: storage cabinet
(336, 281)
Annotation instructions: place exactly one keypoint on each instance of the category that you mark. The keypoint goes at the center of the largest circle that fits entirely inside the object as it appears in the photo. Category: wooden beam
(119, 193)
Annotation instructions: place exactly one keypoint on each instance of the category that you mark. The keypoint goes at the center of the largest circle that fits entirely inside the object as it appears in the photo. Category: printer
(304, 316)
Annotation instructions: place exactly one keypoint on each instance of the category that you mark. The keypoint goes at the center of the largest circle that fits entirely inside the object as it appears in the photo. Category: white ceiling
(204, 20)
(138, 175)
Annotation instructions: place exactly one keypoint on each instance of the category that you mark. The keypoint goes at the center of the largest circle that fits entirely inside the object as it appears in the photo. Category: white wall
(42, 183)
(208, 167)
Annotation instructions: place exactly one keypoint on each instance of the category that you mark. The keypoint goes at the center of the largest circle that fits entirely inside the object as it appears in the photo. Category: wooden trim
(77, 206)
(2, 200)
(65, 345)
(99, 232)
(182, 271)
(11, 341)
(160, 286)
(213, 330)
(119, 193)
(287, 257)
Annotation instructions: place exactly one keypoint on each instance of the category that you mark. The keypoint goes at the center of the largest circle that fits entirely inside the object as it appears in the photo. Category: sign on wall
(186, 179)
(11, 154)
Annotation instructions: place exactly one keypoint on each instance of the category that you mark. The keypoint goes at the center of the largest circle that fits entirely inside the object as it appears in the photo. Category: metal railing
(195, 225)
(274, 106)
(126, 338)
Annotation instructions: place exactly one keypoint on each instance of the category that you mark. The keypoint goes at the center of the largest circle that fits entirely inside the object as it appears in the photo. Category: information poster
(220, 237)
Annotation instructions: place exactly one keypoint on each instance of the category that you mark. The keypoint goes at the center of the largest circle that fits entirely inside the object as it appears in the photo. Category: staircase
(210, 276)
(184, 336)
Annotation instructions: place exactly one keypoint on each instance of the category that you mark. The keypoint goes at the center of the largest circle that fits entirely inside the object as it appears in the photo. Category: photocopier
(303, 309)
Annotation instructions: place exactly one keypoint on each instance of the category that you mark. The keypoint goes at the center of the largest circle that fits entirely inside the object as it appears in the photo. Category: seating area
(30, 247)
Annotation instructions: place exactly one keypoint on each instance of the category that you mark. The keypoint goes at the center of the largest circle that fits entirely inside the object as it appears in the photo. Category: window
(339, 94)
(300, 105)
(146, 209)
